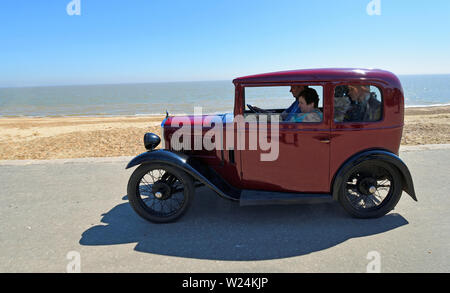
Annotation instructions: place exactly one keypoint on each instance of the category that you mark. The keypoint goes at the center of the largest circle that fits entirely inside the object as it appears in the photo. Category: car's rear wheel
(370, 189)
(160, 193)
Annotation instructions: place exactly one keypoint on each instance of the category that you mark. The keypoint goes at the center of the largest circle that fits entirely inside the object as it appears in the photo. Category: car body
(315, 161)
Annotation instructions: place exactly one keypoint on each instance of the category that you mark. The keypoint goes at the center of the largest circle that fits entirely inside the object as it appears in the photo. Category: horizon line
(152, 82)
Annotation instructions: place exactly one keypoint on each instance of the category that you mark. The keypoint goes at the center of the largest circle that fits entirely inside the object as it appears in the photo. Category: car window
(357, 103)
(279, 100)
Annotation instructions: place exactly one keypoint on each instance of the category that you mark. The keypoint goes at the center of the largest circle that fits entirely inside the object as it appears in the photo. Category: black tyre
(160, 193)
(370, 189)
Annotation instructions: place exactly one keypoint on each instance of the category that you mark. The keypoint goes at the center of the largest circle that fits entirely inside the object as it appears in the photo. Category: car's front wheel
(370, 189)
(160, 193)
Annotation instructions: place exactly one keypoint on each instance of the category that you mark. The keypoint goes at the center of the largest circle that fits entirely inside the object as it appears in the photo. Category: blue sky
(150, 40)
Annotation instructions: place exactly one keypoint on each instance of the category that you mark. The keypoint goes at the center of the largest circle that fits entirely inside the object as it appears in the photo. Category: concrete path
(54, 213)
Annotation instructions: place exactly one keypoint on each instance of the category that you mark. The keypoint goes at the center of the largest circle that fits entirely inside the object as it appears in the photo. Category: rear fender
(381, 155)
(202, 173)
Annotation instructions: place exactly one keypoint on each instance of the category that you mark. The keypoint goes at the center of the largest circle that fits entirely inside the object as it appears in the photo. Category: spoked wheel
(370, 189)
(160, 193)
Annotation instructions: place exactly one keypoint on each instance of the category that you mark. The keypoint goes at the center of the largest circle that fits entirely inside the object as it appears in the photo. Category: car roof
(322, 74)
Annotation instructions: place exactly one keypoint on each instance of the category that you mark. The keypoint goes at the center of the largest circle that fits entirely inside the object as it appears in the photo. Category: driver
(294, 107)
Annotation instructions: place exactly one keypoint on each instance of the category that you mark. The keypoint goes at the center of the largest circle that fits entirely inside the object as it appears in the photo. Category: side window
(357, 103)
(285, 101)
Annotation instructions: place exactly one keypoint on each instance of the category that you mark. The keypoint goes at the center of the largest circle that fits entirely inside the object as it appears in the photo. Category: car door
(302, 164)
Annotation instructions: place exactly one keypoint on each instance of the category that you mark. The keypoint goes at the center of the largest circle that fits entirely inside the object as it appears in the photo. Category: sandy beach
(80, 137)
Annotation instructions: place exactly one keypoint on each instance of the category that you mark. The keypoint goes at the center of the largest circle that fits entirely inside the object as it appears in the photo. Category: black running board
(256, 197)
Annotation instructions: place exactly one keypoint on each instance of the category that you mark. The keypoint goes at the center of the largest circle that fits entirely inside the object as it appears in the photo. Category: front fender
(382, 155)
(159, 156)
(182, 161)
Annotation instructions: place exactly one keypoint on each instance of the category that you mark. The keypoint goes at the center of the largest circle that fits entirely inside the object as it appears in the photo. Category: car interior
(273, 100)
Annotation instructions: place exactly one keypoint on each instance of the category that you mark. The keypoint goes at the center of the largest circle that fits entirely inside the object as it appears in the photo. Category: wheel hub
(161, 190)
(367, 186)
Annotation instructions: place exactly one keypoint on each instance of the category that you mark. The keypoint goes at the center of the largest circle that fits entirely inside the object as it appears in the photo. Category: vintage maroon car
(348, 153)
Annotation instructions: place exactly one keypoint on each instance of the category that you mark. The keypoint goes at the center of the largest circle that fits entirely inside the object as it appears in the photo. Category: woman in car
(308, 103)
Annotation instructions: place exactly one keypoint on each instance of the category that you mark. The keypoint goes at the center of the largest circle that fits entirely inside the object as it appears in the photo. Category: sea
(177, 98)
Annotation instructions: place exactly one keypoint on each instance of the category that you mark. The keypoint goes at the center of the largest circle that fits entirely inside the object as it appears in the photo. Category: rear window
(357, 103)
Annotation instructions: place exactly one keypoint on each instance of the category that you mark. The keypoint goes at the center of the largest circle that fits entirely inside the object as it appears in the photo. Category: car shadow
(218, 229)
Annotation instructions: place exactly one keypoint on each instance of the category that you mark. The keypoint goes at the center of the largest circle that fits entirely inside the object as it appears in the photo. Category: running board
(257, 197)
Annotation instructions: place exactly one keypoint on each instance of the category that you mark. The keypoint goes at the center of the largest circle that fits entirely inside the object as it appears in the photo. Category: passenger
(364, 104)
(293, 108)
(308, 102)
(341, 103)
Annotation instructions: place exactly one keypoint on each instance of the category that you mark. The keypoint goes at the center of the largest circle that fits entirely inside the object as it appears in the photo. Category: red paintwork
(319, 75)
(305, 164)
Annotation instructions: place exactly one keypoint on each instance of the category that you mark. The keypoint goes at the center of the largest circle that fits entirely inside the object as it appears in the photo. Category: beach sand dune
(81, 137)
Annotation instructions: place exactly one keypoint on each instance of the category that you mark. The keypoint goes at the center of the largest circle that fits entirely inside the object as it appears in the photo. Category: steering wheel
(256, 109)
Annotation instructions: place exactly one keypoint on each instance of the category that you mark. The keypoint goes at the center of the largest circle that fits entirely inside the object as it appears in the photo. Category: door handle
(325, 140)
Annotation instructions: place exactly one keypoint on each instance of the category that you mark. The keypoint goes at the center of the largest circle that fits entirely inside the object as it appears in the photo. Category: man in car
(364, 105)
